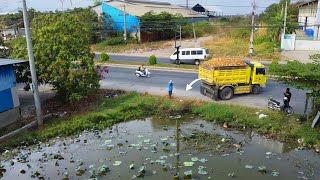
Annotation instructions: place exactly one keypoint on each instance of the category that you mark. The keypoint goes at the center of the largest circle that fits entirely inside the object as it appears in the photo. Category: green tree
(61, 46)
(165, 24)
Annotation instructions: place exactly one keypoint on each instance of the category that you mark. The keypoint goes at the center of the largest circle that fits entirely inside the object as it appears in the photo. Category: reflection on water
(156, 144)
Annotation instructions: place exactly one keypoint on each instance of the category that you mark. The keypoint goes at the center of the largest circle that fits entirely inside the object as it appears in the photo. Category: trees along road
(125, 79)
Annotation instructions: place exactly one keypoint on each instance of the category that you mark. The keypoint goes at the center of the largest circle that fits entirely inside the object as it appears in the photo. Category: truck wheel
(255, 89)
(226, 93)
(196, 62)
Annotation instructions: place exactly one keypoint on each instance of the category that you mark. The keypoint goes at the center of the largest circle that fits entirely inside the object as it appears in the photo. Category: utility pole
(252, 29)
(282, 11)
(32, 65)
(194, 35)
(187, 4)
(180, 35)
(285, 19)
(124, 22)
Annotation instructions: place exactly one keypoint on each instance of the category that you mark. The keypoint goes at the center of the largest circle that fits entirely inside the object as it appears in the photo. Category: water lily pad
(103, 170)
(120, 145)
(117, 163)
(172, 144)
(194, 159)
(108, 141)
(131, 166)
(164, 139)
(91, 166)
(203, 160)
(142, 169)
(249, 167)
(187, 174)
(275, 174)
(163, 157)
(262, 169)
(188, 164)
(201, 170)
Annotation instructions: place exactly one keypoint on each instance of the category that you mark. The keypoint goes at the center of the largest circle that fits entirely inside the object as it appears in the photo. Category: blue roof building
(9, 100)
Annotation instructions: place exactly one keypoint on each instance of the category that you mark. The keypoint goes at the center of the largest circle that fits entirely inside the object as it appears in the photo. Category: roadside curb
(151, 68)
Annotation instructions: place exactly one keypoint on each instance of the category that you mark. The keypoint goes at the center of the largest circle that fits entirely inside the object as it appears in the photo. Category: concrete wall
(9, 117)
(307, 45)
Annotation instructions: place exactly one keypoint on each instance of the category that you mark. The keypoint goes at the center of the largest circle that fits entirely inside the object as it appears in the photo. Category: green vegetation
(302, 76)
(104, 57)
(113, 41)
(128, 106)
(152, 60)
(181, 66)
(62, 59)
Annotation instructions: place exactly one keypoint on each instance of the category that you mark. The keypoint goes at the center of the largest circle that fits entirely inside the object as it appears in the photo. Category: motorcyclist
(142, 69)
(287, 97)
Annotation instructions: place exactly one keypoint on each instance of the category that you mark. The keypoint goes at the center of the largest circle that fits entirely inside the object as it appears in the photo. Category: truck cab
(258, 74)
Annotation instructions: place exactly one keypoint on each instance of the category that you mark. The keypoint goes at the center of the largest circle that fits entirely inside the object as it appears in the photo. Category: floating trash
(140, 136)
(188, 164)
(163, 157)
(146, 140)
(187, 174)
(268, 153)
(131, 166)
(103, 170)
(249, 167)
(108, 141)
(164, 139)
(160, 161)
(117, 163)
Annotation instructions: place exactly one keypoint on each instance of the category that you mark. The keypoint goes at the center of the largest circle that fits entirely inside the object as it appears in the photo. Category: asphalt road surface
(124, 78)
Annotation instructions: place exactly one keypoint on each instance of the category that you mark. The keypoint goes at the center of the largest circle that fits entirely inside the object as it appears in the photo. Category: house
(135, 9)
(210, 11)
(9, 104)
(309, 17)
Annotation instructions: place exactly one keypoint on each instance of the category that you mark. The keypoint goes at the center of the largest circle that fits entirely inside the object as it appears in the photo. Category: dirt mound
(224, 62)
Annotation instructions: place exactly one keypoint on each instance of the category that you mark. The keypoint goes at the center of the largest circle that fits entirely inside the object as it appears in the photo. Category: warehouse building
(135, 9)
(309, 17)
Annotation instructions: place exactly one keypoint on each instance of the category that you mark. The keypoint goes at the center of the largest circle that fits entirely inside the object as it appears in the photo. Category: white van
(191, 55)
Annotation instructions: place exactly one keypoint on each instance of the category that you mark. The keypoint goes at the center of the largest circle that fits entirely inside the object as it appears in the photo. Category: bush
(152, 60)
(113, 41)
(104, 57)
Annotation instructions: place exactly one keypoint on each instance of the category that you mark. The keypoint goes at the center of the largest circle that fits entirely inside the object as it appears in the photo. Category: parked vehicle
(275, 105)
(146, 73)
(191, 55)
(238, 77)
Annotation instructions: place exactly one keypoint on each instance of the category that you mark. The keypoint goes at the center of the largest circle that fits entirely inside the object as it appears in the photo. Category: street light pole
(32, 65)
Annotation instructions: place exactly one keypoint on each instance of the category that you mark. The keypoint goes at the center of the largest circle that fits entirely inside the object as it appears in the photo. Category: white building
(309, 17)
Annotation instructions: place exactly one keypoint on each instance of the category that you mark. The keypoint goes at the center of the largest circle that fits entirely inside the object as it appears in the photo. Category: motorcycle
(275, 105)
(143, 74)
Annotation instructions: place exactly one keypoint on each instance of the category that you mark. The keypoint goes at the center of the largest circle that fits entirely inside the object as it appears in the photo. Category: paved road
(123, 78)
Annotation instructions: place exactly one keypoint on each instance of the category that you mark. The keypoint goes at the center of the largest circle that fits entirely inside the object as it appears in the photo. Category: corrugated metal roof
(11, 61)
(306, 2)
(139, 8)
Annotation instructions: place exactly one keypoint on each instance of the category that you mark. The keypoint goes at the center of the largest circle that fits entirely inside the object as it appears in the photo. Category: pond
(176, 148)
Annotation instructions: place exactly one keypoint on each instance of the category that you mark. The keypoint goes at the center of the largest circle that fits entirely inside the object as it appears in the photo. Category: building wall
(7, 77)
(132, 23)
(307, 15)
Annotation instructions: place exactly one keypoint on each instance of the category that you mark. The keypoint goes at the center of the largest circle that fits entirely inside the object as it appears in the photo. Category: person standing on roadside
(170, 88)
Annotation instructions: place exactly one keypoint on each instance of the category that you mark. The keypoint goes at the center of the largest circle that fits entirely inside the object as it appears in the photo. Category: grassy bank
(182, 66)
(128, 106)
(235, 42)
(129, 47)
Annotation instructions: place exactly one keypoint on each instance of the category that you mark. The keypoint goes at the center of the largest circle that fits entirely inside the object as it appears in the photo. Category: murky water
(152, 143)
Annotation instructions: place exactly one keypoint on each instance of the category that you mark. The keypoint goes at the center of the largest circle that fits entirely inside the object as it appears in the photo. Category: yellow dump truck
(222, 78)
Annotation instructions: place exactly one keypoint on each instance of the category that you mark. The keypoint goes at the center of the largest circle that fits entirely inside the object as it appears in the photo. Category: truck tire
(197, 62)
(226, 93)
(201, 90)
(256, 89)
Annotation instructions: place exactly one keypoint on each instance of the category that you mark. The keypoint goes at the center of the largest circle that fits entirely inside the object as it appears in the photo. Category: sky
(228, 7)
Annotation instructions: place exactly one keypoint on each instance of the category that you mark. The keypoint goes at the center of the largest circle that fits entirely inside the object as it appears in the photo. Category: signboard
(316, 119)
